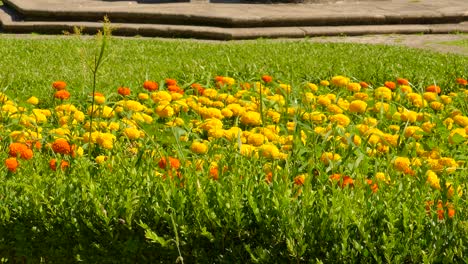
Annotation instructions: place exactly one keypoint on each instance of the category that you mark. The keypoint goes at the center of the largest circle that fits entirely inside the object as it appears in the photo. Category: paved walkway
(226, 21)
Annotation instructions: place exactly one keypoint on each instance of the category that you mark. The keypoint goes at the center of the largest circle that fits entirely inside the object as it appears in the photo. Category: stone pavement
(228, 21)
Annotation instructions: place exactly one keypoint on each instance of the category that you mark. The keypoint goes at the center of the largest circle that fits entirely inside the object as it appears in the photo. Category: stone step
(237, 15)
(11, 24)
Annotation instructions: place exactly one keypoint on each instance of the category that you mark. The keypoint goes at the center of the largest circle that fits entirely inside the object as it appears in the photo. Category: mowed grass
(30, 64)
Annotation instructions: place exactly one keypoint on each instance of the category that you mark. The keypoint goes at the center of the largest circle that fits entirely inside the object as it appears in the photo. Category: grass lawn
(29, 64)
(255, 151)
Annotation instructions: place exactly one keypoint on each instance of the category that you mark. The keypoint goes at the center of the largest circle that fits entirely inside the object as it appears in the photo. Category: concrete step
(10, 24)
(241, 15)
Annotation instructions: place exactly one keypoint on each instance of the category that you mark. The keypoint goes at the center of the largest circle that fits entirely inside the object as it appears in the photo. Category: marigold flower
(63, 164)
(343, 181)
(62, 94)
(33, 100)
(100, 159)
(150, 85)
(433, 88)
(173, 163)
(390, 85)
(329, 156)
(12, 164)
(340, 119)
(357, 106)
(199, 147)
(267, 78)
(59, 85)
(402, 163)
(214, 173)
(132, 133)
(364, 84)
(170, 82)
(354, 87)
(251, 118)
(61, 146)
(374, 186)
(402, 81)
(20, 150)
(300, 179)
(340, 81)
(124, 91)
(462, 81)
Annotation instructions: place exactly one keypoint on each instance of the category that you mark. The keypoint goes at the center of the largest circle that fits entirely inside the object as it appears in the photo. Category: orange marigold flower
(170, 82)
(269, 177)
(214, 173)
(245, 86)
(374, 187)
(150, 85)
(343, 181)
(198, 87)
(390, 85)
(173, 163)
(20, 150)
(62, 94)
(12, 164)
(63, 164)
(364, 84)
(61, 146)
(267, 78)
(175, 89)
(36, 144)
(402, 81)
(462, 81)
(124, 91)
(433, 88)
(59, 85)
(299, 180)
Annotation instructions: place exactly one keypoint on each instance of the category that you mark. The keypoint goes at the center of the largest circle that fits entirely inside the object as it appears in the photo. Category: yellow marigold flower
(383, 93)
(143, 96)
(402, 164)
(354, 87)
(340, 119)
(335, 109)
(215, 133)
(409, 116)
(428, 126)
(313, 87)
(394, 128)
(160, 96)
(433, 180)
(98, 99)
(323, 100)
(247, 150)
(414, 131)
(361, 96)
(100, 159)
(324, 83)
(251, 118)
(457, 132)
(446, 99)
(275, 116)
(33, 100)
(406, 89)
(448, 122)
(358, 106)
(210, 93)
(381, 107)
(390, 139)
(430, 96)
(211, 123)
(217, 104)
(132, 133)
(256, 139)
(329, 156)
(199, 147)
(227, 113)
(237, 109)
(316, 117)
(106, 140)
(461, 120)
(102, 111)
(232, 133)
(437, 106)
(269, 151)
(9, 108)
(284, 87)
(380, 176)
(176, 96)
(164, 111)
(339, 80)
